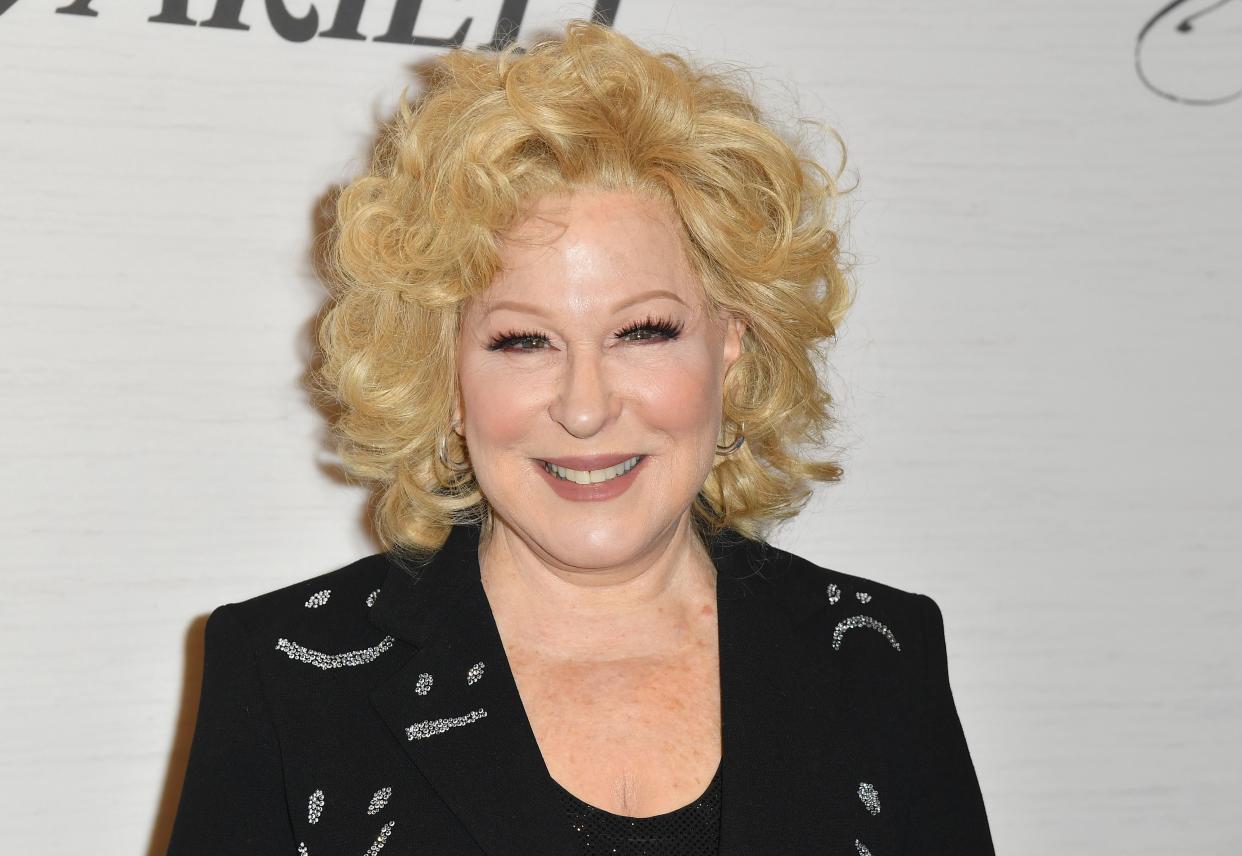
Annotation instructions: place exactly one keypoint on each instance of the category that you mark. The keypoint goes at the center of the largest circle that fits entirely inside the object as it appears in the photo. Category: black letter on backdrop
(507, 25)
(172, 12)
(345, 22)
(77, 7)
(401, 28)
(605, 12)
(226, 16)
(288, 27)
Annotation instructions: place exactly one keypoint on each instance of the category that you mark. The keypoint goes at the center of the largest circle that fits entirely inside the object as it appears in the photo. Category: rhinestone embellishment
(380, 799)
(379, 842)
(863, 597)
(423, 685)
(371, 597)
(476, 672)
(862, 848)
(302, 851)
(834, 593)
(431, 727)
(861, 621)
(314, 807)
(870, 797)
(318, 599)
(334, 661)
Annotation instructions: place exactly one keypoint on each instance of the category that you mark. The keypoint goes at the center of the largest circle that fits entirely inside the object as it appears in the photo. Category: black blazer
(371, 708)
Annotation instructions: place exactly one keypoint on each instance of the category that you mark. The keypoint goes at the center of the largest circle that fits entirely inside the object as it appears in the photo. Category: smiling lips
(591, 477)
(585, 474)
(591, 462)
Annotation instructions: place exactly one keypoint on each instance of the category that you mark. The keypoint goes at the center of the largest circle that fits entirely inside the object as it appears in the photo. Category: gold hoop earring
(725, 451)
(442, 454)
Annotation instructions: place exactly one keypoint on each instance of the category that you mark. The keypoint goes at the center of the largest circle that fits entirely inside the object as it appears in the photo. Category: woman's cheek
(499, 407)
(682, 398)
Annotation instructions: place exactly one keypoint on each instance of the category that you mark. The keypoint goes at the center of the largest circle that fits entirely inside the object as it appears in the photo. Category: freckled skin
(606, 609)
(635, 736)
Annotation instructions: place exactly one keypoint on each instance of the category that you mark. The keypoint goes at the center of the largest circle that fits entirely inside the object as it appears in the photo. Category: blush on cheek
(498, 432)
(497, 420)
(685, 402)
(500, 412)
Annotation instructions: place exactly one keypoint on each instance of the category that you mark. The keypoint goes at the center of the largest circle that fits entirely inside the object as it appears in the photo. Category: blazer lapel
(785, 787)
(455, 708)
(456, 711)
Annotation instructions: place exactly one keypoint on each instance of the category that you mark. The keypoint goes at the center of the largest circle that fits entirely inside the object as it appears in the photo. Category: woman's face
(592, 348)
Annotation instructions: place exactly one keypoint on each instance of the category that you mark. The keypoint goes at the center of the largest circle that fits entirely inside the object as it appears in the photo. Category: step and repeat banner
(1036, 389)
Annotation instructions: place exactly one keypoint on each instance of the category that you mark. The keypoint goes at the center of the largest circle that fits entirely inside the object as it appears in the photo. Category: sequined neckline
(707, 799)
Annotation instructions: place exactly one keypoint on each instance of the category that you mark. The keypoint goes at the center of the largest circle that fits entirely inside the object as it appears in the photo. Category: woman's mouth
(592, 485)
(592, 476)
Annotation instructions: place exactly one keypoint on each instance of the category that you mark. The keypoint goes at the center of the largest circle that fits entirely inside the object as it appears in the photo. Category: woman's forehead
(594, 252)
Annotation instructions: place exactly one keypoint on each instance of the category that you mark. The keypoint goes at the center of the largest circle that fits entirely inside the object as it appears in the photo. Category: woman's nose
(584, 401)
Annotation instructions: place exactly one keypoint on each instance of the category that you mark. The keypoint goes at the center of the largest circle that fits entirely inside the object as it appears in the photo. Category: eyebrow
(536, 310)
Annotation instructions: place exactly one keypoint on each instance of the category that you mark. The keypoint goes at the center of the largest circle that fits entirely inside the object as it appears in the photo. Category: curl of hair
(417, 235)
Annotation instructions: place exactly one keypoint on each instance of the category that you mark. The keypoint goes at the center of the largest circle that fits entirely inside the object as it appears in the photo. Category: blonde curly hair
(416, 236)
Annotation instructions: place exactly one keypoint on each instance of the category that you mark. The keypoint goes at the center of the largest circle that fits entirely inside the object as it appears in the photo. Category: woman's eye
(643, 331)
(522, 342)
(526, 343)
(651, 330)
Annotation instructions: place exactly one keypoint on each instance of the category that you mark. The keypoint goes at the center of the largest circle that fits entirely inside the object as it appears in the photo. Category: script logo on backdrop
(345, 20)
(1189, 56)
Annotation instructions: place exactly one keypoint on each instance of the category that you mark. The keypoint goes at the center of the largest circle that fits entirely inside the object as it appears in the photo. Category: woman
(577, 303)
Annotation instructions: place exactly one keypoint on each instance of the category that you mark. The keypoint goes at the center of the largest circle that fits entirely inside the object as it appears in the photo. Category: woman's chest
(637, 737)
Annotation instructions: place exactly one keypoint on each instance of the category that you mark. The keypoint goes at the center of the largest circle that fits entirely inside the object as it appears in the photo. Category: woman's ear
(735, 329)
(457, 415)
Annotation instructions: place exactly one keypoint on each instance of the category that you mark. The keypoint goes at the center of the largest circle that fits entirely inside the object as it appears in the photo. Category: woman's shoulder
(332, 605)
(851, 612)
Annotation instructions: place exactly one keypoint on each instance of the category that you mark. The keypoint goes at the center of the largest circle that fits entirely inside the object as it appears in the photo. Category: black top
(692, 830)
(372, 710)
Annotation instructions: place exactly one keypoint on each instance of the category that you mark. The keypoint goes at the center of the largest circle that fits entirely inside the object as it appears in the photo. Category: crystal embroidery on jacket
(476, 672)
(862, 848)
(870, 797)
(371, 597)
(318, 599)
(431, 727)
(861, 621)
(334, 661)
(379, 800)
(379, 843)
(834, 593)
(423, 685)
(863, 597)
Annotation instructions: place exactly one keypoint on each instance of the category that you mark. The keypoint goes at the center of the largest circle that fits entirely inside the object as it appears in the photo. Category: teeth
(593, 476)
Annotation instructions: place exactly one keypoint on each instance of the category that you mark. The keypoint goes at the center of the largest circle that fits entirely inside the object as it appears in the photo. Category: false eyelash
(665, 327)
(504, 339)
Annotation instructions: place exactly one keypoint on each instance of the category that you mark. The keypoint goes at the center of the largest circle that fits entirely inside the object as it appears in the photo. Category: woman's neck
(656, 604)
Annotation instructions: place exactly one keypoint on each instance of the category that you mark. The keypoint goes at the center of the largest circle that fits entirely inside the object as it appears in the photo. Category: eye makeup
(664, 329)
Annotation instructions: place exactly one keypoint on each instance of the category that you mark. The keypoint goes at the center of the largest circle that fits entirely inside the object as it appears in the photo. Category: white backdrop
(1038, 386)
